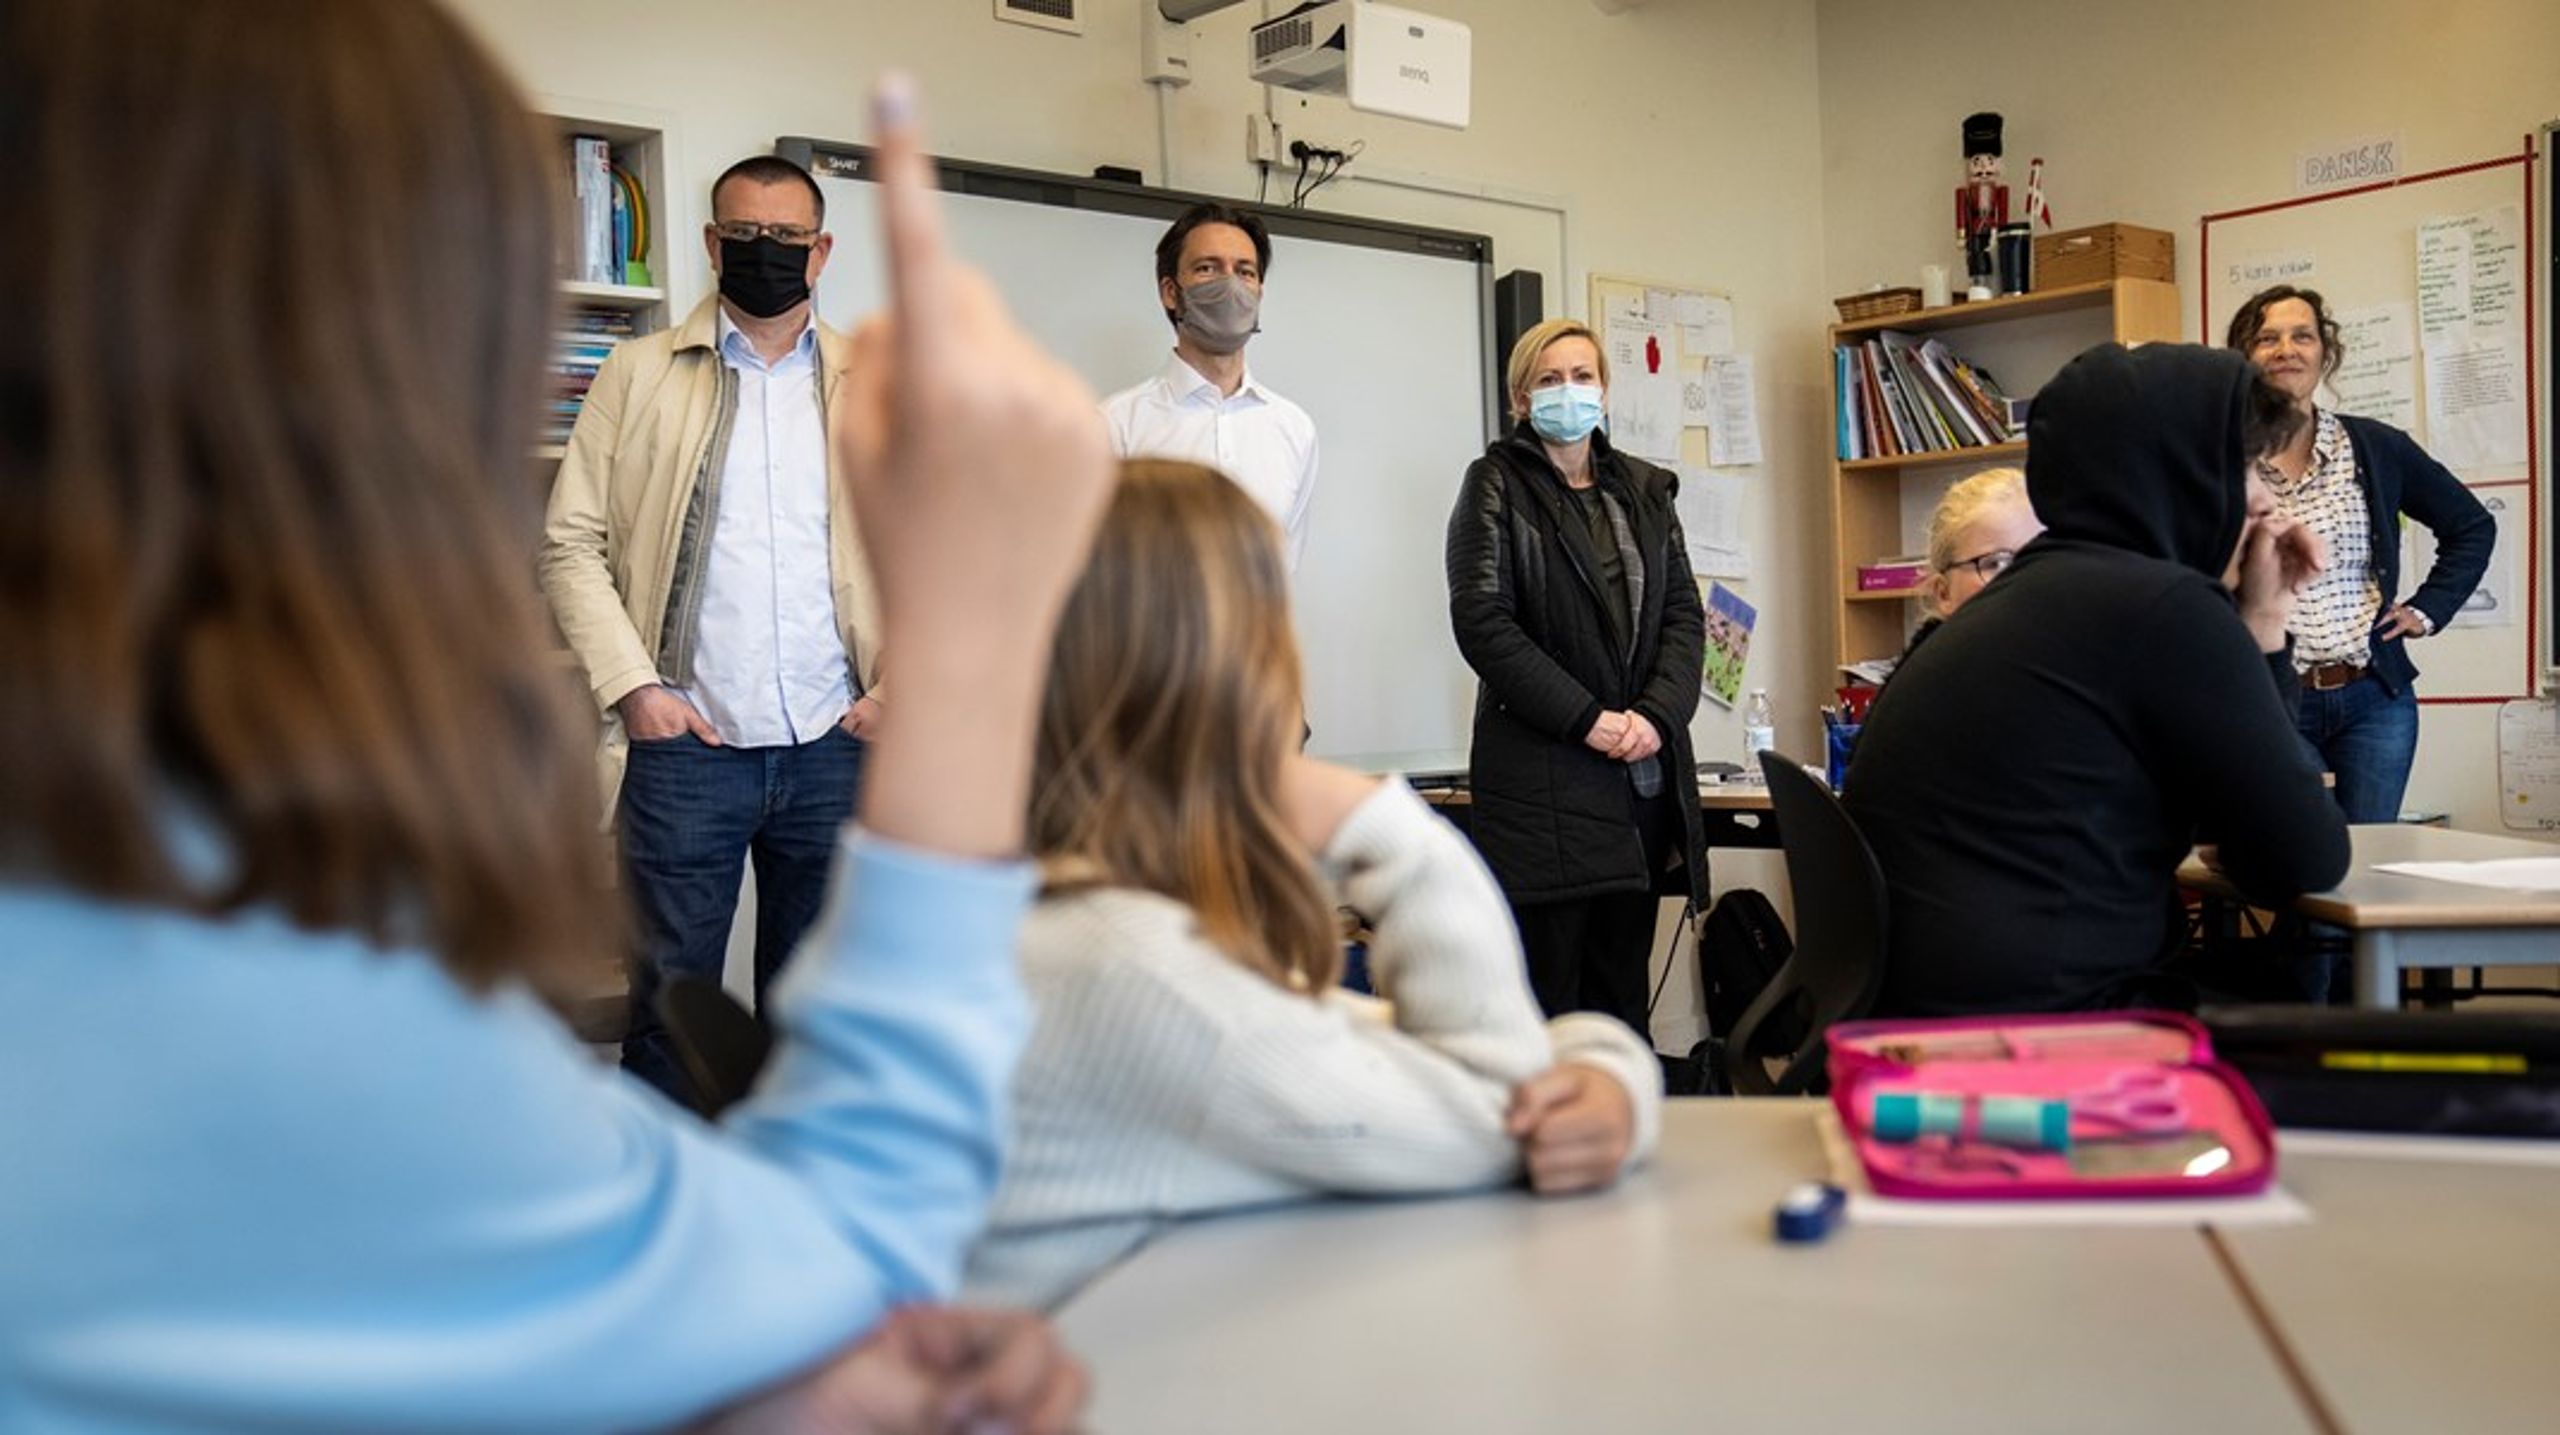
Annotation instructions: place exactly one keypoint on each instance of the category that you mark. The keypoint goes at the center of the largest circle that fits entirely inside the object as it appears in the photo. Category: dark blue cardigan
(2399, 478)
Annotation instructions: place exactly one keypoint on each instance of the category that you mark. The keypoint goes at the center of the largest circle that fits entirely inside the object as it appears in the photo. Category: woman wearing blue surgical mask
(1570, 591)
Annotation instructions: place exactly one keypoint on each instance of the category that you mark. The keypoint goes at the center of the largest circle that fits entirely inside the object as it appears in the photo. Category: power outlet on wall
(1261, 141)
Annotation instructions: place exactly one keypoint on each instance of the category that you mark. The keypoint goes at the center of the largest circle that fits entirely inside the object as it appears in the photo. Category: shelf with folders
(615, 161)
(1881, 500)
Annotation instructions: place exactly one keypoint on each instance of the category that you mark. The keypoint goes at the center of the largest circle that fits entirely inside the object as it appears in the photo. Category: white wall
(2158, 114)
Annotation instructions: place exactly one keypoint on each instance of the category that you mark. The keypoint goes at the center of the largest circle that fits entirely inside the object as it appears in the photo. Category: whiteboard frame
(834, 159)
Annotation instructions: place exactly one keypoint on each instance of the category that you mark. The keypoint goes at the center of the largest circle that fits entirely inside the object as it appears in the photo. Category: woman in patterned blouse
(2352, 480)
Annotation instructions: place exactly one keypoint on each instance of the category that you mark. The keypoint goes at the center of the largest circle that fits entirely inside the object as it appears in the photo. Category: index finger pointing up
(910, 215)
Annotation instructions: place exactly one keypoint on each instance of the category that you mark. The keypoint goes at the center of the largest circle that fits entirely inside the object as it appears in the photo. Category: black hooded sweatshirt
(2035, 773)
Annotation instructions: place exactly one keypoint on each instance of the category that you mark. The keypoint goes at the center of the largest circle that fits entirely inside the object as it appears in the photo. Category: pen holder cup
(1838, 743)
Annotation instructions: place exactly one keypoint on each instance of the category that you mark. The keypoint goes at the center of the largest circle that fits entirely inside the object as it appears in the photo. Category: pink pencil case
(2103, 1105)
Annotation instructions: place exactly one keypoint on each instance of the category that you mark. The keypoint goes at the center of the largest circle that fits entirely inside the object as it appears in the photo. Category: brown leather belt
(2328, 677)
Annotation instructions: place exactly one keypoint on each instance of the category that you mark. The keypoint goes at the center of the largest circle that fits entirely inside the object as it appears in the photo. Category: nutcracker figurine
(1982, 201)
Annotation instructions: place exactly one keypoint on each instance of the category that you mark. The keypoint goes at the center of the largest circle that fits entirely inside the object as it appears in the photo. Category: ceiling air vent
(1065, 16)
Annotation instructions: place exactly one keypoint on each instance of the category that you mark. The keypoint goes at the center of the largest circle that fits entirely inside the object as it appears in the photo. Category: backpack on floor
(1740, 948)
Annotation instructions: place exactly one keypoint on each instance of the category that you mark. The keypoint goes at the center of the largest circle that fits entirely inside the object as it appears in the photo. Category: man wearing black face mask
(704, 567)
(1205, 405)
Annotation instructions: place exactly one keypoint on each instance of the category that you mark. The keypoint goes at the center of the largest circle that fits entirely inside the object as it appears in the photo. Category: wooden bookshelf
(1880, 506)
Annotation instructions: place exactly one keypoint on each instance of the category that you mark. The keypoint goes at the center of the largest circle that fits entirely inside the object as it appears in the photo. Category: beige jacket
(632, 513)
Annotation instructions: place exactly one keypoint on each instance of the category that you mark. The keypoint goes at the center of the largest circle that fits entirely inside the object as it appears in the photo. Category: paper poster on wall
(2471, 337)
(1711, 507)
(2378, 376)
(2495, 602)
(1733, 427)
(1729, 624)
(1644, 414)
(2252, 272)
(2529, 764)
(1697, 402)
(1635, 345)
(1705, 321)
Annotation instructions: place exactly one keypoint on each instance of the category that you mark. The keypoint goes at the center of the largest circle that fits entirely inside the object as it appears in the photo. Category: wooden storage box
(2104, 251)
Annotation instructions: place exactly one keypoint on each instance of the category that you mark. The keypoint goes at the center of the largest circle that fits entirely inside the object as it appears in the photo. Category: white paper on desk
(2274, 1206)
(1644, 413)
(1711, 510)
(2506, 874)
(1733, 433)
(2471, 334)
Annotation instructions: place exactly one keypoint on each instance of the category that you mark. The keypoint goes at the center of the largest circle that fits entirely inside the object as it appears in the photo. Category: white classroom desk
(2399, 923)
(2425, 1297)
(1665, 1306)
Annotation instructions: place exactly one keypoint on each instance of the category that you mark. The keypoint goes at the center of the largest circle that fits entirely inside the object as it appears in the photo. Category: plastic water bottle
(1759, 729)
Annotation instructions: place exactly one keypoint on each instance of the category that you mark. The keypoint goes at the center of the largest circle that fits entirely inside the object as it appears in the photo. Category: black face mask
(763, 275)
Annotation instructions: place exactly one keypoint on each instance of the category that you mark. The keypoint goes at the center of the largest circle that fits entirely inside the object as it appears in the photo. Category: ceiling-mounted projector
(1384, 59)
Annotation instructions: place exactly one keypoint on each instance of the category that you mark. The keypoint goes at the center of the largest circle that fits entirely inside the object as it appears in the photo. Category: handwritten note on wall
(2471, 335)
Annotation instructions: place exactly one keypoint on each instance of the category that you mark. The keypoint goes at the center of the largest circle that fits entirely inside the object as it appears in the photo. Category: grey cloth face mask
(1220, 314)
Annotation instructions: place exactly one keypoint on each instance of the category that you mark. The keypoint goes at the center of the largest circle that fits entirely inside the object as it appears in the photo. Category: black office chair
(1838, 963)
(720, 1043)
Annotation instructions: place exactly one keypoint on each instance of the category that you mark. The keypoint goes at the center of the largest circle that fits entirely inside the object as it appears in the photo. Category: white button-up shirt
(2334, 617)
(1261, 440)
(769, 667)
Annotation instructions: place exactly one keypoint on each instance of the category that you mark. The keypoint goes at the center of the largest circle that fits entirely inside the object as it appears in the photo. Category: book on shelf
(586, 338)
(1899, 393)
(591, 190)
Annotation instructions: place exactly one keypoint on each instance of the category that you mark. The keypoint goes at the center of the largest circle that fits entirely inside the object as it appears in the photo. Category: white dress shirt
(2334, 617)
(1261, 440)
(769, 667)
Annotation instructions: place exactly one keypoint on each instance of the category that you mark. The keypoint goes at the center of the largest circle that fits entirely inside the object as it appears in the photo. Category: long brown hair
(1172, 704)
(272, 335)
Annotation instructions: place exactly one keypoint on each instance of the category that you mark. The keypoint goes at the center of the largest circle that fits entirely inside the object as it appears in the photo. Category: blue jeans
(692, 815)
(2368, 738)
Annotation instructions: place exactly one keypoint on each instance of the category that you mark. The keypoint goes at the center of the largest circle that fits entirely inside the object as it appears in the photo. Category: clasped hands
(1623, 736)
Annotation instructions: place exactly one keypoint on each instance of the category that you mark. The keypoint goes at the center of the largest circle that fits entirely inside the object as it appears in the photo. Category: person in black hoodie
(1570, 591)
(2035, 773)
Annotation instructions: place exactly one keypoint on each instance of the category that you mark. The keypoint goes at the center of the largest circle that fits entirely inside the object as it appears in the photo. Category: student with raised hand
(1192, 1051)
(294, 809)
(2035, 773)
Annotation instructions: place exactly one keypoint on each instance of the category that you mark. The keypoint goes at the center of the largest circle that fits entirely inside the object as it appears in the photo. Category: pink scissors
(2143, 1102)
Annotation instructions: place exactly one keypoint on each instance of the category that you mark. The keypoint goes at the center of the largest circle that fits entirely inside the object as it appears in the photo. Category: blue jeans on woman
(2366, 737)
(692, 816)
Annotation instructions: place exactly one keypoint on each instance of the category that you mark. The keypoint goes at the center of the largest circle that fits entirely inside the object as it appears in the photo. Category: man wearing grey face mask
(1205, 405)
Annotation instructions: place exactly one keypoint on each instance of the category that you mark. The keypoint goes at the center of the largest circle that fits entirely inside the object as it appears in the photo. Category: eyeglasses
(1987, 566)
(747, 231)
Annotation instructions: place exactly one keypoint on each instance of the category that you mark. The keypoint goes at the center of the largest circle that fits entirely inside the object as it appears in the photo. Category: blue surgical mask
(1566, 413)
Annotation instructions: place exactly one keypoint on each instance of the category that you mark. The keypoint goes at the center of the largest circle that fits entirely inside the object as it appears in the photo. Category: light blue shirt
(253, 1177)
(769, 668)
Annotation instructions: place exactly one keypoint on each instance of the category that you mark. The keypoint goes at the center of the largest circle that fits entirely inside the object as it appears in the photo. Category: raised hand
(978, 470)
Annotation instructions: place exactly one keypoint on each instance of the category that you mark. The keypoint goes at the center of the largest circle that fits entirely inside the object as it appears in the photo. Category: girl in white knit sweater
(1192, 1049)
